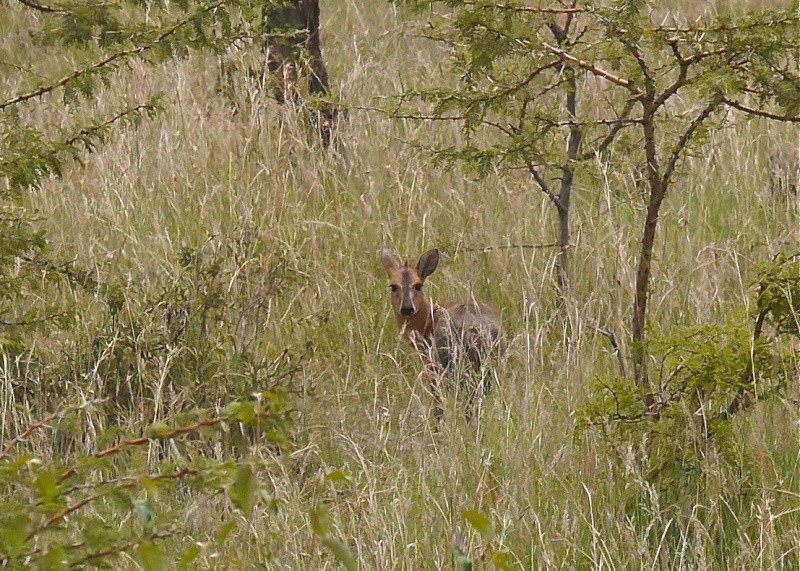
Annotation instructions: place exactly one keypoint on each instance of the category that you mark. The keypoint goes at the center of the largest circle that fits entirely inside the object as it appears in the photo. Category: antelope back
(472, 328)
(784, 174)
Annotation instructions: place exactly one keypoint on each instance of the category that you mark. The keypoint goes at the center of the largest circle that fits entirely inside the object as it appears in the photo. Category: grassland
(232, 178)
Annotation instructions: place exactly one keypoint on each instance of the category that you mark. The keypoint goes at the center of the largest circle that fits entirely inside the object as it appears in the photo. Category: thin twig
(594, 70)
(126, 547)
(45, 423)
(537, 176)
(615, 345)
(510, 247)
(110, 451)
(526, 9)
(42, 8)
(759, 112)
(72, 508)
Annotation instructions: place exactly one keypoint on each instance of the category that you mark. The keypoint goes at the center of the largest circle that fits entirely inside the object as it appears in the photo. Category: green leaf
(45, 485)
(321, 526)
(14, 532)
(502, 560)
(190, 554)
(243, 489)
(55, 559)
(150, 556)
(341, 552)
(480, 522)
(144, 510)
(224, 531)
(463, 563)
(240, 412)
(276, 437)
(320, 522)
(158, 430)
(336, 476)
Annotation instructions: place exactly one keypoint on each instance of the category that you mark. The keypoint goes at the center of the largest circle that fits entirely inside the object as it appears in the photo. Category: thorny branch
(45, 423)
(537, 176)
(124, 54)
(111, 450)
(594, 70)
(616, 127)
(526, 9)
(42, 8)
(687, 135)
(72, 508)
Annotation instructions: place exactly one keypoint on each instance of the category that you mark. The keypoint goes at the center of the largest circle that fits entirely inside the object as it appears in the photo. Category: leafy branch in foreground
(57, 516)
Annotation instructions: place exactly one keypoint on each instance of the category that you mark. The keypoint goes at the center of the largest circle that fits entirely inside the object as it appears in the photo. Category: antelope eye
(418, 287)
(394, 287)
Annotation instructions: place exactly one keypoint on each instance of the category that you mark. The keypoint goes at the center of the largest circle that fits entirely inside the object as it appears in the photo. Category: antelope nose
(407, 310)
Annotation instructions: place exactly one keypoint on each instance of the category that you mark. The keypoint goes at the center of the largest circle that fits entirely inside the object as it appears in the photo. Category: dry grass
(212, 171)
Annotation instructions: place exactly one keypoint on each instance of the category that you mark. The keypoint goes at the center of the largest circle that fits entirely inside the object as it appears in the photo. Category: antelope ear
(428, 263)
(389, 260)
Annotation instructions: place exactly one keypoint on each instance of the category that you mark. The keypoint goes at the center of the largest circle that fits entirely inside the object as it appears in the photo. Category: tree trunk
(657, 186)
(567, 177)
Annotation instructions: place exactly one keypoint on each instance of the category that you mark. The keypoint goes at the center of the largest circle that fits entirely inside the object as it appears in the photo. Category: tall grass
(218, 170)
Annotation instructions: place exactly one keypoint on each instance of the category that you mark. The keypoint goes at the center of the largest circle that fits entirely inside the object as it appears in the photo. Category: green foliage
(551, 90)
(102, 39)
(56, 513)
(708, 376)
(480, 522)
(21, 245)
(510, 61)
(500, 559)
(203, 333)
(463, 562)
(321, 526)
(778, 286)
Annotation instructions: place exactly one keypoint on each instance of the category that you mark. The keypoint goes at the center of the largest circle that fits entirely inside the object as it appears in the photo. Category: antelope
(450, 338)
(784, 174)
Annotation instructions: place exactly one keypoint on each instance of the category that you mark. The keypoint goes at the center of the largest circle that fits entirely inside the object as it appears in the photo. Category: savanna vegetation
(199, 364)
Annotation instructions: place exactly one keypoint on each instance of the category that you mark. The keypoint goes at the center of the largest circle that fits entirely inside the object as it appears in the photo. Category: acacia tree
(657, 86)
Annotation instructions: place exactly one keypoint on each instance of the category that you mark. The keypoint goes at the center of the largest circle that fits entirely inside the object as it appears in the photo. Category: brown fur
(784, 174)
(446, 336)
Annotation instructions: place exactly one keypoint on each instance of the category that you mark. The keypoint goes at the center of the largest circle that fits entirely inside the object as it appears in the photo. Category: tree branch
(542, 184)
(45, 89)
(110, 451)
(525, 9)
(760, 113)
(677, 151)
(45, 423)
(42, 8)
(122, 115)
(616, 127)
(72, 508)
(594, 70)
(615, 345)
